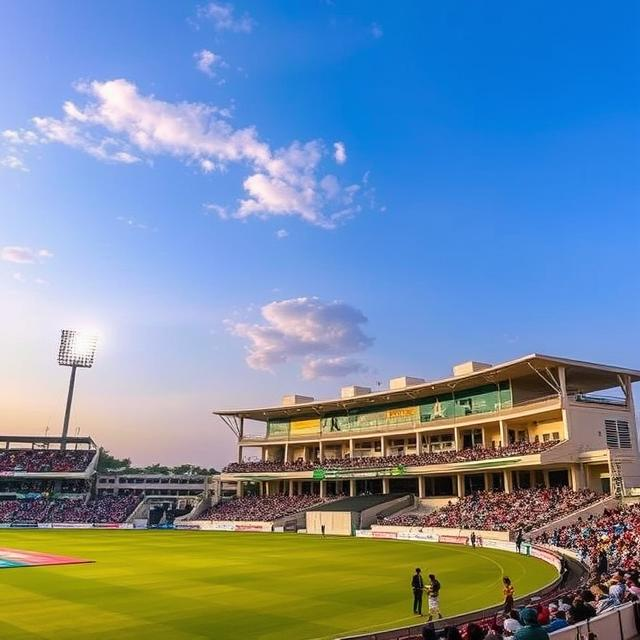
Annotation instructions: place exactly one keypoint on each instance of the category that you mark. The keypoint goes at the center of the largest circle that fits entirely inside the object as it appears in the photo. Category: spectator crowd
(524, 509)
(44, 460)
(103, 509)
(603, 541)
(261, 509)
(409, 460)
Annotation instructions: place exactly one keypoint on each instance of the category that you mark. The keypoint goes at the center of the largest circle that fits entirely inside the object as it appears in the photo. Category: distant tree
(193, 469)
(156, 468)
(107, 462)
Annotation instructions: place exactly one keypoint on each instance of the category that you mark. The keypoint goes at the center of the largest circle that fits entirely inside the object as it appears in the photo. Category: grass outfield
(185, 585)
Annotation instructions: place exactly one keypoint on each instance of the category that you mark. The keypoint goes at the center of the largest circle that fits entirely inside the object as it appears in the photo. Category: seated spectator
(262, 509)
(531, 629)
(408, 460)
(557, 619)
(524, 509)
(45, 460)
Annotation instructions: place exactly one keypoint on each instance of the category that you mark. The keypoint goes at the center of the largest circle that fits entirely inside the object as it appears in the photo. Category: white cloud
(376, 30)
(319, 333)
(281, 234)
(19, 277)
(331, 368)
(224, 19)
(13, 162)
(23, 255)
(17, 137)
(208, 62)
(339, 152)
(119, 124)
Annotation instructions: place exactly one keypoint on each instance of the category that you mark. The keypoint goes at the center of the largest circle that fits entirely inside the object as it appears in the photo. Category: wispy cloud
(209, 62)
(13, 162)
(376, 30)
(217, 210)
(24, 255)
(132, 223)
(224, 18)
(320, 334)
(119, 124)
(281, 234)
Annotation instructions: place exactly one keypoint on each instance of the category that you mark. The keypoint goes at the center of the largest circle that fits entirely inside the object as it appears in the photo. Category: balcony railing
(593, 399)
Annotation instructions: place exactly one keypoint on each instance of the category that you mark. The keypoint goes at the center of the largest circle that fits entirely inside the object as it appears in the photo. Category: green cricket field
(188, 585)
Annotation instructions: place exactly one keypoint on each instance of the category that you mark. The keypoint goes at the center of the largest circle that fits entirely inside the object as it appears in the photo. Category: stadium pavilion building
(535, 421)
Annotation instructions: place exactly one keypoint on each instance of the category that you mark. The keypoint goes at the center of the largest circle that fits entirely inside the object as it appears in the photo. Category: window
(546, 437)
(556, 435)
(617, 434)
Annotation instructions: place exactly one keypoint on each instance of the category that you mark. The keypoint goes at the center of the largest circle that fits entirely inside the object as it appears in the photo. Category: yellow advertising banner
(408, 413)
(299, 427)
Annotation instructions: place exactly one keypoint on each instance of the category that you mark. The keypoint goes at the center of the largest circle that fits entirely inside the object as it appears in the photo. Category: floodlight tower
(77, 349)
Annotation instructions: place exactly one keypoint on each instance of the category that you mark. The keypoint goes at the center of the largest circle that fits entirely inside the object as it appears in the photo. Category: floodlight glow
(77, 348)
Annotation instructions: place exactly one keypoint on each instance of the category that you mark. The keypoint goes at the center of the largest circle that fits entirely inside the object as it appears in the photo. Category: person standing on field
(519, 540)
(417, 584)
(434, 598)
(473, 539)
(508, 591)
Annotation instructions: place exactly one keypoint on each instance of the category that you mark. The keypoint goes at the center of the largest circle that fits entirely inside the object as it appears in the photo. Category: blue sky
(190, 202)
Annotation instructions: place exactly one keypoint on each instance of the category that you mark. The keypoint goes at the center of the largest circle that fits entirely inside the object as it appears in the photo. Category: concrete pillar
(239, 489)
(382, 449)
(352, 487)
(504, 433)
(385, 485)
(351, 447)
(321, 450)
(261, 488)
(487, 482)
(239, 453)
(299, 487)
(508, 484)
(460, 479)
(286, 452)
(418, 443)
(421, 480)
(323, 488)
(456, 438)
(290, 487)
(578, 479)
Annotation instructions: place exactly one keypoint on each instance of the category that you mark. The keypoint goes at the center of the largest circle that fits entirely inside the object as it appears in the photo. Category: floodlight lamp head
(77, 348)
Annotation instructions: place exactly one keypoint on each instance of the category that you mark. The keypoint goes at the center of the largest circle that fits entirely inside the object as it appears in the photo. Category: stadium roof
(46, 440)
(357, 503)
(590, 376)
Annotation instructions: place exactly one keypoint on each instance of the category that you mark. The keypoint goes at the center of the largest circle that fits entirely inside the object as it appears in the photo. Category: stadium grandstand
(474, 448)
(54, 481)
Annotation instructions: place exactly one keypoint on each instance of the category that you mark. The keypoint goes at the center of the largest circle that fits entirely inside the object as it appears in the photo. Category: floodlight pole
(67, 412)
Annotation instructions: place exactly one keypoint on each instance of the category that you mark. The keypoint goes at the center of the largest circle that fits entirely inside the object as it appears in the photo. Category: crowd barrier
(618, 624)
(219, 525)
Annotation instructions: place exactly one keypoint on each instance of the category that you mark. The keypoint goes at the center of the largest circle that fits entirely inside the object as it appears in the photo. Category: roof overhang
(592, 376)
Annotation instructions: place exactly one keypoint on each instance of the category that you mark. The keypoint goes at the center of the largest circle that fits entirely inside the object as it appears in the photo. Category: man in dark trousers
(519, 540)
(417, 584)
(473, 539)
